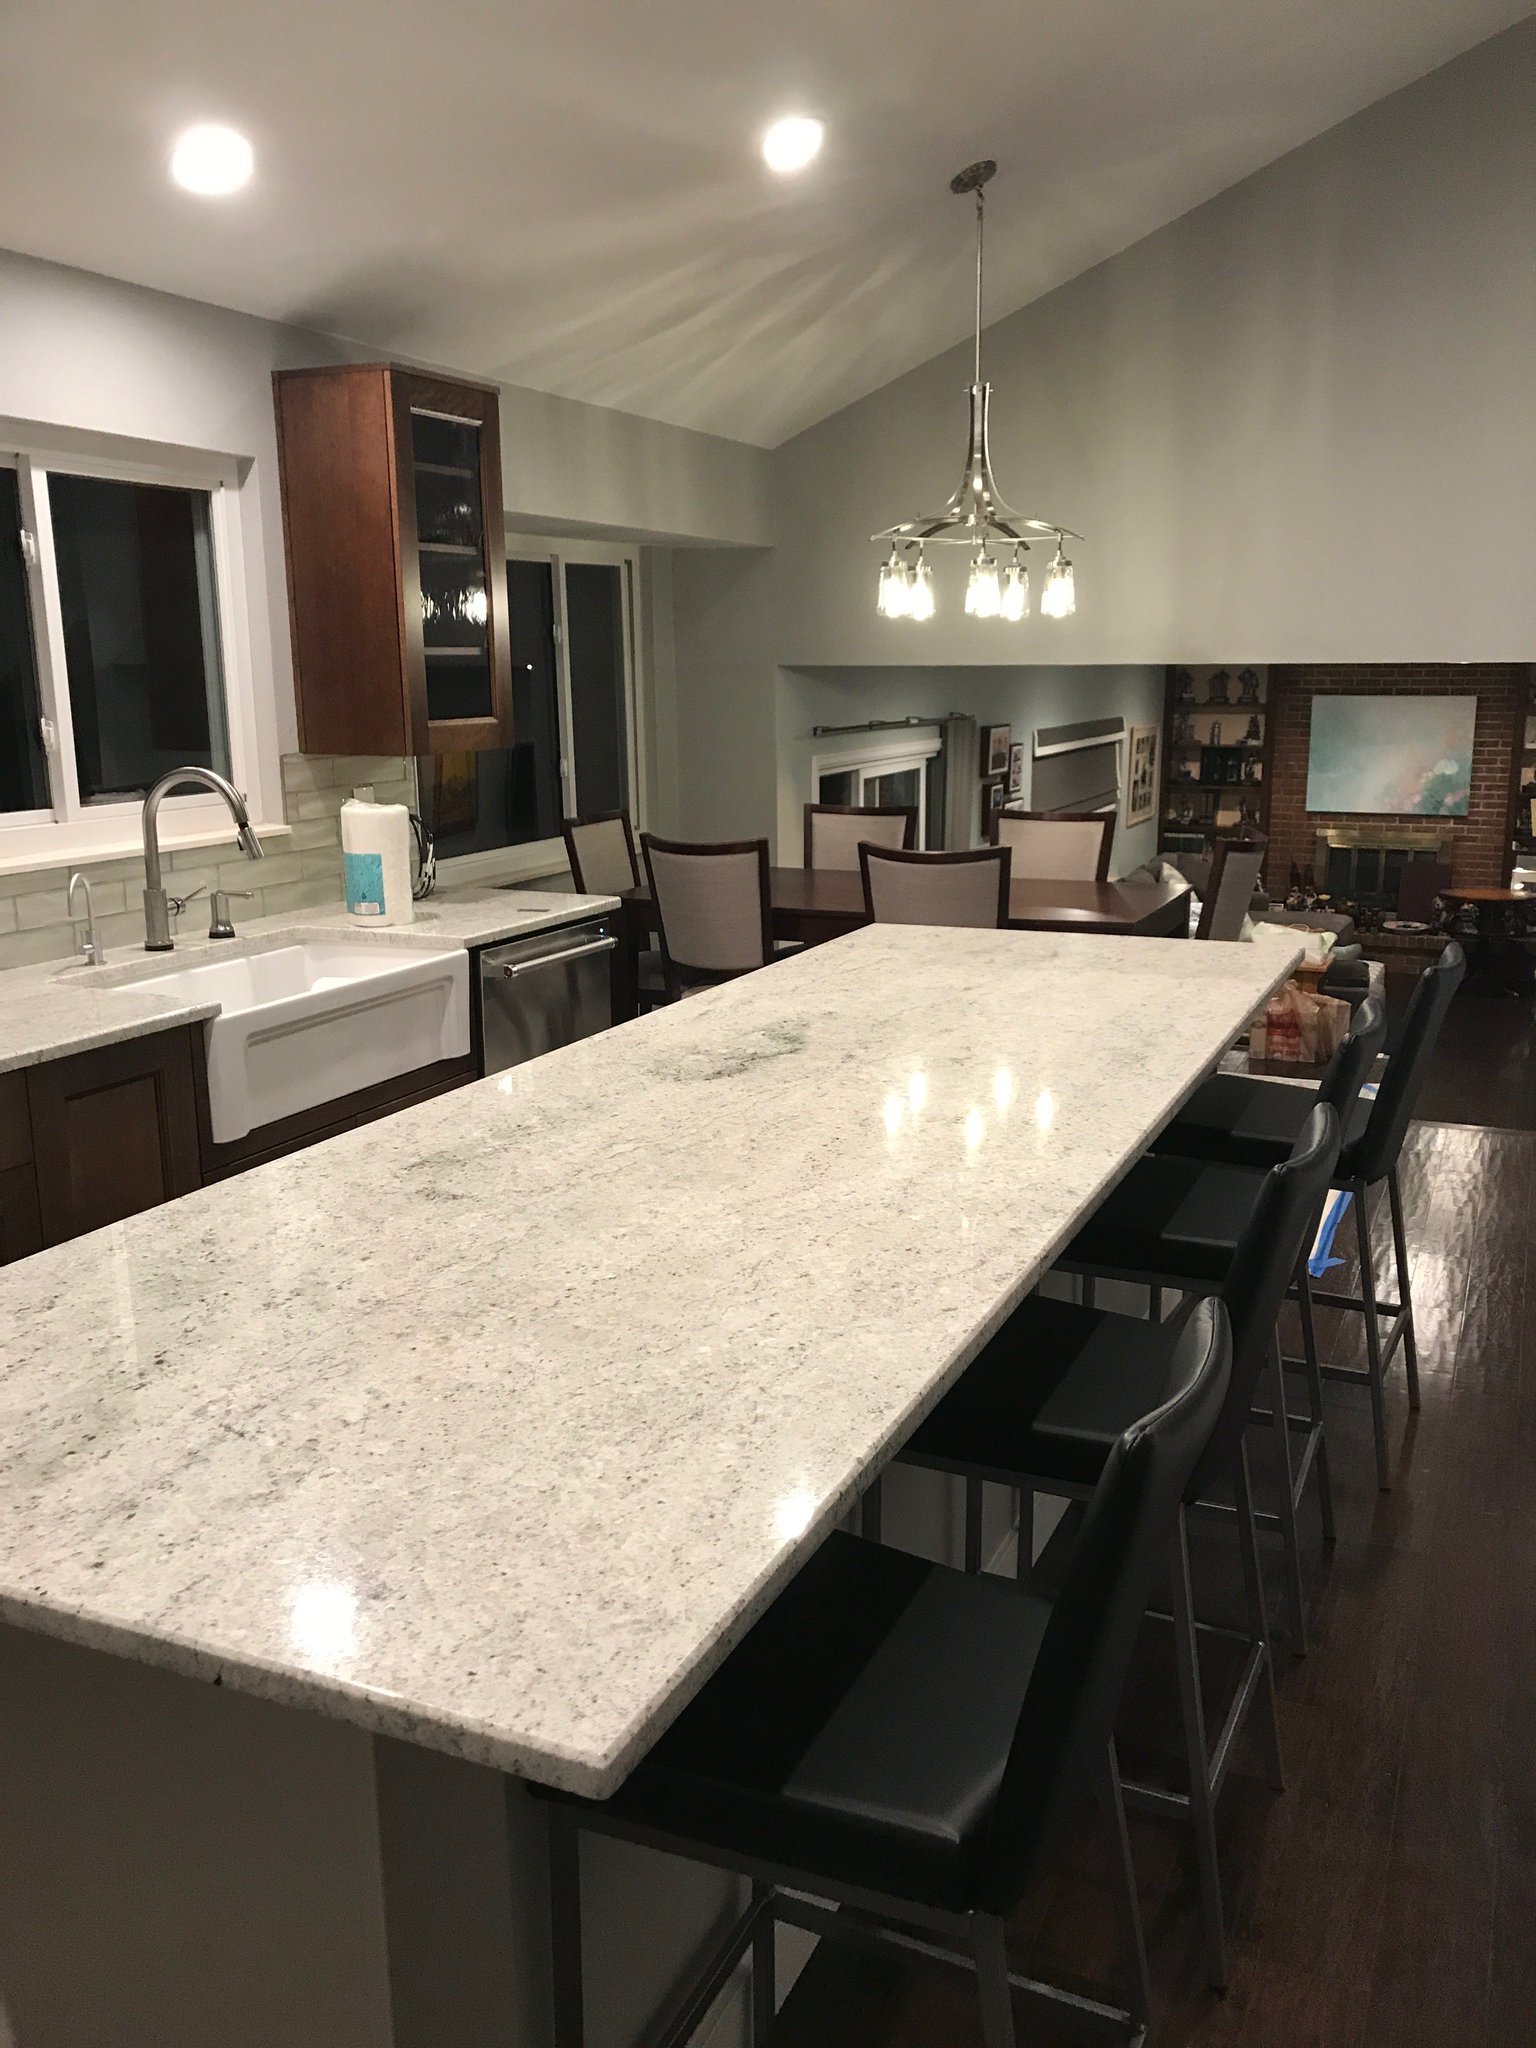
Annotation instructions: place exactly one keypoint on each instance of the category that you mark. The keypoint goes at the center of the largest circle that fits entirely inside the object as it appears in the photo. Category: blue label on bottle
(363, 878)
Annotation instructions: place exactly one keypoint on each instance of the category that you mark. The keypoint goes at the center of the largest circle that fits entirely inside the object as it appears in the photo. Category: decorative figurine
(1248, 683)
(1255, 733)
(1217, 690)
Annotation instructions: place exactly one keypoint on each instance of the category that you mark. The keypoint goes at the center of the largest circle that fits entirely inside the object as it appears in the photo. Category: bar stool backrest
(601, 851)
(833, 831)
(1234, 877)
(1375, 1154)
(1067, 1719)
(935, 888)
(1278, 1236)
(1350, 1066)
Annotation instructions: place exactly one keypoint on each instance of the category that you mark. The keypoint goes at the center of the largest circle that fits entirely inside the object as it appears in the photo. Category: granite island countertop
(493, 1425)
(63, 1006)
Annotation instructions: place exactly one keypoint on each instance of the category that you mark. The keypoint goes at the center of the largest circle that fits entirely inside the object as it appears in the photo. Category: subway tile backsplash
(301, 871)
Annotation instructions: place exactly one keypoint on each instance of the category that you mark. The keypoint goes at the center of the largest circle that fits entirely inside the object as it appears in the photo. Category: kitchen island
(486, 1431)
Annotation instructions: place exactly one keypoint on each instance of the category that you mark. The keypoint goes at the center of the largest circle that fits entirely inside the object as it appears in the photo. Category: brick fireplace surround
(1479, 843)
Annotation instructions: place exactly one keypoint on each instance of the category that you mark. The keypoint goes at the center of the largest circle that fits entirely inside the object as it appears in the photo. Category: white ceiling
(567, 193)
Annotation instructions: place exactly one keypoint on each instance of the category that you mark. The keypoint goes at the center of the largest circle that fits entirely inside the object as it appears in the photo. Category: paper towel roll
(376, 862)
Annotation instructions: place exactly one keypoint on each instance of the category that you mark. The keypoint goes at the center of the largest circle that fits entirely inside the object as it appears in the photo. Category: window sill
(62, 855)
(536, 861)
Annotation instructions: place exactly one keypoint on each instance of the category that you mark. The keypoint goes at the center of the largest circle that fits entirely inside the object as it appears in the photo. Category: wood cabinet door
(21, 1225)
(114, 1131)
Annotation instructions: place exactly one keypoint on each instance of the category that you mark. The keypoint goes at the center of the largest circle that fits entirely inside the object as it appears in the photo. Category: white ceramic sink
(300, 1025)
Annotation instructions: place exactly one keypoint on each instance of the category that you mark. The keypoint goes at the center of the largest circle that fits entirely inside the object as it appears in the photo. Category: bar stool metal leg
(1202, 1809)
(1404, 1297)
(1296, 1597)
(1258, 1617)
(1127, 1905)
(764, 1988)
(993, 1986)
(1372, 1335)
(1314, 1376)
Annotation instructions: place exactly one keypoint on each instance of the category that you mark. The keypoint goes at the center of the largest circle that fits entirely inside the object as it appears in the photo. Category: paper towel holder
(424, 881)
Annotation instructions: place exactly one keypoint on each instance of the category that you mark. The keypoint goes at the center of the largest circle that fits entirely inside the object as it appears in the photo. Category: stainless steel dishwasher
(546, 990)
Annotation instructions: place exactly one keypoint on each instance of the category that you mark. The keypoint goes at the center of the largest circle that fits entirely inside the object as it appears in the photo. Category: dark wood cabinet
(21, 1229)
(113, 1131)
(397, 586)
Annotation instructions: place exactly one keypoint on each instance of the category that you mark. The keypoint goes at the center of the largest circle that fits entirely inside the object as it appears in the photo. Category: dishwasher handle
(512, 971)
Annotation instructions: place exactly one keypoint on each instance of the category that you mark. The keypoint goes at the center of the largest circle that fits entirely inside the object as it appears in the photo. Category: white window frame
(536, 859)
(873, 754)
(70, 830)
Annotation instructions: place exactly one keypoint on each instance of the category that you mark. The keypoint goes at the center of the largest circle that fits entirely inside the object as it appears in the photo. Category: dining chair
(1235, 870)
(968, 888)
(712, 909)
(833, 831)
(1065, 846)
(601, 851)
(911, 1744)
(1041, 1407)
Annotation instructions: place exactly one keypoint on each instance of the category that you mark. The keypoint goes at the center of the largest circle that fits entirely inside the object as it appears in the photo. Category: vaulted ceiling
(567, 193)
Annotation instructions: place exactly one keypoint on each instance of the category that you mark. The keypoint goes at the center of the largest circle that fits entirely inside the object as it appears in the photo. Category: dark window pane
(506, 797)
(141, 631)
(594, 609)
(23, 769)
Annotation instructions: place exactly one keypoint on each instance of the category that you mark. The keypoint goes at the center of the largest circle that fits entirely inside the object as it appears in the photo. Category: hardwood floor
(1484, 1067)
(1388, 1895)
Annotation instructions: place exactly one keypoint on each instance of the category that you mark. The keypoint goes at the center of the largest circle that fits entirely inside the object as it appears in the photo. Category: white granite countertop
(63, 1007)
(494, 1424)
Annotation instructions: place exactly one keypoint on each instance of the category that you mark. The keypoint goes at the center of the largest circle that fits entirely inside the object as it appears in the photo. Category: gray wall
(1298, 421)
(1021, 697)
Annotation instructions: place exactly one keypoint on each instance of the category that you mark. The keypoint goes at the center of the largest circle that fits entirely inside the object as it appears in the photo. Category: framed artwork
(1016, 755)
(1392, 756)
(995, 743)
(1141, 781)
(992, 795)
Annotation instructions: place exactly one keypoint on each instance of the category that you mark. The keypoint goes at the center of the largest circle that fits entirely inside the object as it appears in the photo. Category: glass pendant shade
(983, 594)
(920, 591)
(894, 599)
(1058, 600)
(1015, 603)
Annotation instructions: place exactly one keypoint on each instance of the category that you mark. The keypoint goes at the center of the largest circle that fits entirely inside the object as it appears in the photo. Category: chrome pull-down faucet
(157, 917)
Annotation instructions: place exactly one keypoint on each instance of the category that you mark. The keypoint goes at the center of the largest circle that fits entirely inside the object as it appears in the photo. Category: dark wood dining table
(815, 904)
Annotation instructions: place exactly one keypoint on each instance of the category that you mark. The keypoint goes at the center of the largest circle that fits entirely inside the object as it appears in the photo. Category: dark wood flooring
(1388, 1895)
(1484, 1067)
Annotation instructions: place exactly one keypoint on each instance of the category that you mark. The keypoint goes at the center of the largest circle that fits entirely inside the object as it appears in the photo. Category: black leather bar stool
(909, 1742)
(1043, 1405)
(1178, 1222)
(1234, 1118)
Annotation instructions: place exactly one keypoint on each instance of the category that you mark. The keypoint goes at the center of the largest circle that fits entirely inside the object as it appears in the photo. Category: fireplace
(1363, 864)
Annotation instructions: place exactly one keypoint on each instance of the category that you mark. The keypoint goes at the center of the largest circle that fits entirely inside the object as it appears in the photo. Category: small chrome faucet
(157, 910)
(91, 949)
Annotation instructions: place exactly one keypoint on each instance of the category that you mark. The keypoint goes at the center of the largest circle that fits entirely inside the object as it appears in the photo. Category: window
(117, 658)
(572, 614)
(867, 770)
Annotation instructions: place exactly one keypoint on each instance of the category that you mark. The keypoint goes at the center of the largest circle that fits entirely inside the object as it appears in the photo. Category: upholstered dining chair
(833, 832)
(1073, 846)
(712, 909)
(1234, 877)
(935, 888)
(601, 851)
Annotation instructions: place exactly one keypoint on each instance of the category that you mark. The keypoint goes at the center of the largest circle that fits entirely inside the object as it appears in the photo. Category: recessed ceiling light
(211, 160)
(791, 143)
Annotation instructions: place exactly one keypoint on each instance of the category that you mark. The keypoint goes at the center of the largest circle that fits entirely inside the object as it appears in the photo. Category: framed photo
(1016, 768)
(1141, 780)
(995, 744)
(993, 793)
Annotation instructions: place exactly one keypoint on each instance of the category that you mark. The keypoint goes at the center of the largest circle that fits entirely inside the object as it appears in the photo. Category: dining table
(812, 905)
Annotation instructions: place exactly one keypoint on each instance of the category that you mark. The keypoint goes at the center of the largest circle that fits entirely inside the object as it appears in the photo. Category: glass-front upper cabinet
(393, 521)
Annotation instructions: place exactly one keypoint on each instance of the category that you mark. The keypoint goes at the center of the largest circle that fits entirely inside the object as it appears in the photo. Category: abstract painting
(1403, 756)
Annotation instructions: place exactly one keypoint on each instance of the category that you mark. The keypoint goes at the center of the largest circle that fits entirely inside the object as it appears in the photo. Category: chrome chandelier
(976, 516)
